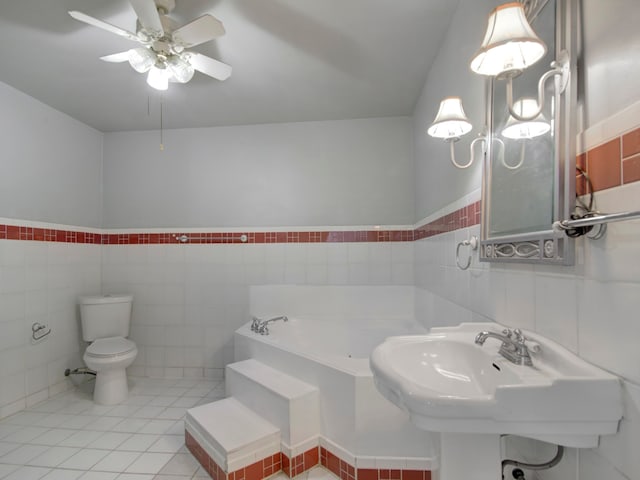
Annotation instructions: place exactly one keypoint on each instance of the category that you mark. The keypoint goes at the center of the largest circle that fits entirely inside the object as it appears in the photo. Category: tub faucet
(263, 329)
(513, 346)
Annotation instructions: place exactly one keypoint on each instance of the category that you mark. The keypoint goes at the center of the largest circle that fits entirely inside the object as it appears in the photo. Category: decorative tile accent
(611, 163)
(461, 218)
(604, 166)
(631, 143)
(631, 169)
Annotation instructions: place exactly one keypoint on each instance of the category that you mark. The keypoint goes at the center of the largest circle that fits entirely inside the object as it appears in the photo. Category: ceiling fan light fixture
(141, 59)
(181, 70)
(158, 78)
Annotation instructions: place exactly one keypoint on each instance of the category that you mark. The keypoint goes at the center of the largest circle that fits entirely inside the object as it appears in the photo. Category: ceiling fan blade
(116, 57)
(200, 30)
(103, 25)
(209, 66)
(148, 16)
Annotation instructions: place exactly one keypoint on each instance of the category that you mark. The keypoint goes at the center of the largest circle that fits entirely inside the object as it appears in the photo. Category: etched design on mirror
(528, 250)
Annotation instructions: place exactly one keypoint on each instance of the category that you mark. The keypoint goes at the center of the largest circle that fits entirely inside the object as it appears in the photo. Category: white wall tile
(608, 328)
(556, 309)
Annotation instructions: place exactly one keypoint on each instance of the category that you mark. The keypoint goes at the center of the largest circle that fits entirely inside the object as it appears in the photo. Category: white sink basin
(447, 383)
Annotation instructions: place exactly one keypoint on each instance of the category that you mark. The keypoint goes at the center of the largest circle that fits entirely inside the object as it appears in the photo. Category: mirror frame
(542, 246)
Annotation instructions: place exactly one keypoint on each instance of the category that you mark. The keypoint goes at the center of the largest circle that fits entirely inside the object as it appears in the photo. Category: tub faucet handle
(255, 324)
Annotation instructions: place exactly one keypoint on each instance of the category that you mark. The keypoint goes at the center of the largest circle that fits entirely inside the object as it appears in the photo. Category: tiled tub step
(285, 401)
(231, 435)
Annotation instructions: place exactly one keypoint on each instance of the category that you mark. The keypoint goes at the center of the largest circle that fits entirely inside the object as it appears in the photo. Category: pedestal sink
(472, 394)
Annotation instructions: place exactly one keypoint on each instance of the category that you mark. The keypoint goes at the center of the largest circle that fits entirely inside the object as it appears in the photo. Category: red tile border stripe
(466, 216)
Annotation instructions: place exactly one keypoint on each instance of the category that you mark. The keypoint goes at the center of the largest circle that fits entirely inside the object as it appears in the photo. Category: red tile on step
(413, 475)
(253, 471)
(333, 463)
(368, 474)
(394, 474)
(311, 458)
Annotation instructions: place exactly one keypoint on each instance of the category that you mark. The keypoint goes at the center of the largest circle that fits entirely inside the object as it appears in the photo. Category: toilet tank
(105, 316)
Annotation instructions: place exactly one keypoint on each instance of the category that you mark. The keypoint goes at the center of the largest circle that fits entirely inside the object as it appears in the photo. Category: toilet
(105, 323)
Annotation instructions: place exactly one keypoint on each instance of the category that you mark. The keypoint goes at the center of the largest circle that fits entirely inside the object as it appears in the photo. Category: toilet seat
(110, 347)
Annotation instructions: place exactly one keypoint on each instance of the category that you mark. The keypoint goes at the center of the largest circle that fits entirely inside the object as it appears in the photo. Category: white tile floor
(68, 437)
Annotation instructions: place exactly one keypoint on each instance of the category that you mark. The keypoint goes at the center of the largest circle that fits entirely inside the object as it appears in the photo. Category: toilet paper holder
(39, 331)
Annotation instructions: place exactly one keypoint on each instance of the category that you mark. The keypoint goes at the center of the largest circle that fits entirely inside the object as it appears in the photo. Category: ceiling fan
(164, 53)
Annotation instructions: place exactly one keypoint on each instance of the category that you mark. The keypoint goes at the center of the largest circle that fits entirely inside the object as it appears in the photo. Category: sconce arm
(522, 152)
(472, 155)
(558, 67)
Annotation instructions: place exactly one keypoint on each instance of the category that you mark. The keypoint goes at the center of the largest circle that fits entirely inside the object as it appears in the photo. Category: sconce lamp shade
(515, 129)
(510, 45)
(450, 122)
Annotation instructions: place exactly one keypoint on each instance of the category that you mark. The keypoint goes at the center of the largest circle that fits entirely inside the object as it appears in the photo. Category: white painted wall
(590, 308)
(50, 172)
(611, 50)
(351, 172)
(51, 163)
(437, 181)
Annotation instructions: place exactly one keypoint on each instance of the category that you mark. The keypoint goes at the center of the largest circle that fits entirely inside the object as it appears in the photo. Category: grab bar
(186, 238)
(597, 220)
(602, 220)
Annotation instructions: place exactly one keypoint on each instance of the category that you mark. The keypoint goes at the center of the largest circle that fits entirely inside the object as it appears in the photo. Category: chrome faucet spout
(261, 326)
(513, 346)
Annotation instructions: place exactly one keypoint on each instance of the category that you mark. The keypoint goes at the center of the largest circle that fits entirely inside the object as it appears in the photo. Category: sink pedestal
(470, 456)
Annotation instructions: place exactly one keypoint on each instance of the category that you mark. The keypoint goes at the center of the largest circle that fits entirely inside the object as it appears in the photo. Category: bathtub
(334, 356)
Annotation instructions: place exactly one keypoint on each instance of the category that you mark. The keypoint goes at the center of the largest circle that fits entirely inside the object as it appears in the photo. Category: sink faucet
(260, 326)
(513, 346)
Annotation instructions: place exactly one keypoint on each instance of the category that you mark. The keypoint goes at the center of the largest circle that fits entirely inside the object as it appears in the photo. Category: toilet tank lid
(101, 299)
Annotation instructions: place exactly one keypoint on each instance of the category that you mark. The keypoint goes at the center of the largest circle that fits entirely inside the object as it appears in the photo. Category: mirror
(529, 171)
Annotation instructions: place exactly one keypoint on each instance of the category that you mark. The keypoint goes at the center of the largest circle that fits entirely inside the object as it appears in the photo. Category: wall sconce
(450, 124)
(509, 47)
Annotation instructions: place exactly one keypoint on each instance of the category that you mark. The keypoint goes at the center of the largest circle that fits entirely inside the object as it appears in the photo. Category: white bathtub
(334, 355)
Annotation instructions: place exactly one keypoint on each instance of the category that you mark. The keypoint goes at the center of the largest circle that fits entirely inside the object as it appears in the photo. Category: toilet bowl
(109, 358)
(105, 323)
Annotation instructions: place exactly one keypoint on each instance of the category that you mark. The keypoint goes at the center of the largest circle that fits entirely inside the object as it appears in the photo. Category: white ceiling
(293, 60)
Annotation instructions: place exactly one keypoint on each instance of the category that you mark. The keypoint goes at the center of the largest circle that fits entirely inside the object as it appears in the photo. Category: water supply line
(79, 371)
(534, 466)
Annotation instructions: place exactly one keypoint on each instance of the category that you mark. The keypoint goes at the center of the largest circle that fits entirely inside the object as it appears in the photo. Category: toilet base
(111, 387)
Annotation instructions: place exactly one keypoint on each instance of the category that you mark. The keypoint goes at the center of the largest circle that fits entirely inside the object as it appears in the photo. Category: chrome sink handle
(514, 350)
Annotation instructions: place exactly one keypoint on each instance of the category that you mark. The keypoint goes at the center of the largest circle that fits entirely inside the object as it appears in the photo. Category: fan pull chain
(161, 126)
